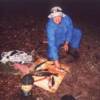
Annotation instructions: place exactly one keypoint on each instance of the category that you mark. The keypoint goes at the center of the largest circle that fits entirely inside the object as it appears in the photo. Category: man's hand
(57, 64)
(66, 47)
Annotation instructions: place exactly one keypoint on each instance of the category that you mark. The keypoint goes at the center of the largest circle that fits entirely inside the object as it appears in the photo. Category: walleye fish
(51, 82)
(44, 73)
(39, 65)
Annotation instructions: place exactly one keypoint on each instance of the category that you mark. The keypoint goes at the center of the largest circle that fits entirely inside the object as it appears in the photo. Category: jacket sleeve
(52, 49)
(69, 27)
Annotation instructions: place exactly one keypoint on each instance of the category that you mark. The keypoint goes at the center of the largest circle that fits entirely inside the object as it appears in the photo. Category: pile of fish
(21, 58)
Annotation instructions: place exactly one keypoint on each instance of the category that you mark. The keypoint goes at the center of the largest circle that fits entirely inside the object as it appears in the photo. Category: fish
(39, 65)
(13, 52)
(51, 82)
(44, 73)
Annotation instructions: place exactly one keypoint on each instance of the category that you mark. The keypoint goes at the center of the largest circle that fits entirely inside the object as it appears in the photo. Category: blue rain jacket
(57, 34)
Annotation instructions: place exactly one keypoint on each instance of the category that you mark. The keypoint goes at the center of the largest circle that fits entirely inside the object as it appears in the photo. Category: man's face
(57, 19)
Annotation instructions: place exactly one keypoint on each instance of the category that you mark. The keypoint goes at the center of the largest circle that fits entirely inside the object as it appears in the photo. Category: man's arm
(69, 29)
(53, 50)
(69, 26)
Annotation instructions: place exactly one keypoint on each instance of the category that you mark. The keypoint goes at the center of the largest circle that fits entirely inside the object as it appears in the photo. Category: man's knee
(75, 42)
(77, 33)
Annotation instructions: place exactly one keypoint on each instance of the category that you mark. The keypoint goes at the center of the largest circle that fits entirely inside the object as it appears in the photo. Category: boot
(73, 55)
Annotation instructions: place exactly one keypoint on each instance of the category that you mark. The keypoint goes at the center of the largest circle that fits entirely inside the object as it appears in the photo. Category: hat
(56, 11)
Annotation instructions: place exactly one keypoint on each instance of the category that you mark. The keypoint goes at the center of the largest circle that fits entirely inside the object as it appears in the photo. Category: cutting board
(51, 83)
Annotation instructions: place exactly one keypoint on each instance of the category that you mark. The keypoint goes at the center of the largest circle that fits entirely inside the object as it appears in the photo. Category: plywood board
(46, 82)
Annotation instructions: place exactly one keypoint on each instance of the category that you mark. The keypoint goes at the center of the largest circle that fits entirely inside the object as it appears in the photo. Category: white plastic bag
(16, 56)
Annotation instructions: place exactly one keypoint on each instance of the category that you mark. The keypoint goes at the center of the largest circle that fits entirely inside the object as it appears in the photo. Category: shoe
(73, 55)
(70, 59)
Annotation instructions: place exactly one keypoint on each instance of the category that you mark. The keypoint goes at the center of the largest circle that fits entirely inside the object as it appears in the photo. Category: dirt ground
(83, 83)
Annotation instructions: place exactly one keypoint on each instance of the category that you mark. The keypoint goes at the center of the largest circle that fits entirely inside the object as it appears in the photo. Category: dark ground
(18, 32)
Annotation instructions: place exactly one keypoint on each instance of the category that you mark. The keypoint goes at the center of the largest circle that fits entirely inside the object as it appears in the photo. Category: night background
(22, 23)
(84, 9)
